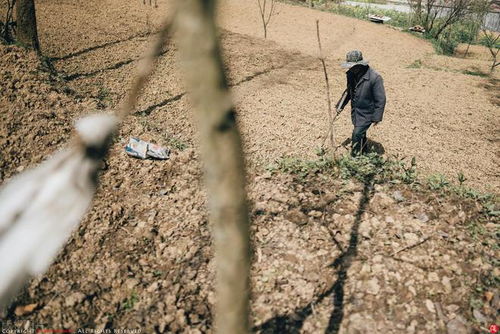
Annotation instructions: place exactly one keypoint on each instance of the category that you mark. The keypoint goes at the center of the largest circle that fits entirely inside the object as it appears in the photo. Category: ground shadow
(372, 146)
(293, 322)
(100, 46)
(116, 66)
(148, 110)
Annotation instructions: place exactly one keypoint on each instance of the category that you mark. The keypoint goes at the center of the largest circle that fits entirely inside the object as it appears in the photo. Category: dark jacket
(368, 102)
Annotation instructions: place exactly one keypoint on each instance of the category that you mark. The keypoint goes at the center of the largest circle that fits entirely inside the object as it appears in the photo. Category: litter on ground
(141, 149)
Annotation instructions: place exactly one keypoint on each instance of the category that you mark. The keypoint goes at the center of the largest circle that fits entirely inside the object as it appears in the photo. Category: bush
(445, 44)
(465, 31)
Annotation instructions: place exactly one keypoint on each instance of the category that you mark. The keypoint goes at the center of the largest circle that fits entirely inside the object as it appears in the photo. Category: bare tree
(223, 160)
(267, 11)
(491, 40)
(27, 33)
(437, 15)
(6, 27)
(415, 10)
(478, 11)
(457, 10)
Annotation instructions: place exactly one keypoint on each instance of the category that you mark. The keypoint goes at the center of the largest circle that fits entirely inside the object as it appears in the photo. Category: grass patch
(376, 169)
(129, 302)
(371, 166)
(475, 73)
(176, 143)
(416, 64)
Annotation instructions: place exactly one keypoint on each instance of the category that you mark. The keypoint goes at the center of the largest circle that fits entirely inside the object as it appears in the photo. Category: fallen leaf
(26, 309)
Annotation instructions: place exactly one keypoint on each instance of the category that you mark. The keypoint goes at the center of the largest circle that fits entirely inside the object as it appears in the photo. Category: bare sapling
(331, 117)
(7, 26)
(491, 40)
(223, 160)
(267, 11)
(151, 3)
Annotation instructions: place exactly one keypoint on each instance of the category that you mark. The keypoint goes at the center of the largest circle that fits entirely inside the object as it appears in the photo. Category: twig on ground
(411, 246)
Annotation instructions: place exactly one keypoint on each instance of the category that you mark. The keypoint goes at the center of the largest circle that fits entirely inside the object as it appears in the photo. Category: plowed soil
(329, 255)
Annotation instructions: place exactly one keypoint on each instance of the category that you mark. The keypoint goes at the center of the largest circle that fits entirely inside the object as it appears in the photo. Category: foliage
(176, 143)
(374, 168)
(475, 73)
(398, 19)
(437, 182)
(445, 43)
(370, 167)
(129, 303)
(416, 64)
(487, 41)
(463, 27)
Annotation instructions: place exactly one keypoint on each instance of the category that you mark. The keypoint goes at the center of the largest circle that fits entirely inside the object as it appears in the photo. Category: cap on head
(354, 57)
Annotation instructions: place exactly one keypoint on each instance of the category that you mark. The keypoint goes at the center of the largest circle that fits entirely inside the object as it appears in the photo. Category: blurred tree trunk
(26, 24)
(223, 161)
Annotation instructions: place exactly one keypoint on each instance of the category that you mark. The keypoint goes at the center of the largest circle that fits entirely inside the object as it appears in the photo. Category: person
(365, 90)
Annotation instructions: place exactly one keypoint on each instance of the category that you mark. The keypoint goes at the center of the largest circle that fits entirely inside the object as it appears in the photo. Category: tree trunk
(26, 24)
(223, 161)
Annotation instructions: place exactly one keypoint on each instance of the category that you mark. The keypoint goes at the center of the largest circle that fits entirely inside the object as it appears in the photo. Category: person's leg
(359, 139)
(364, 144)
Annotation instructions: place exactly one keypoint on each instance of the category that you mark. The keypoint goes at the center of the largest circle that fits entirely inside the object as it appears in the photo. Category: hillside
(348, 246)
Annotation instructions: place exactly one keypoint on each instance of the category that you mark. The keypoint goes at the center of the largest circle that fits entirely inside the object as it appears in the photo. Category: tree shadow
(292, 323)
(116, 66)
(148, 110)
(100, 46)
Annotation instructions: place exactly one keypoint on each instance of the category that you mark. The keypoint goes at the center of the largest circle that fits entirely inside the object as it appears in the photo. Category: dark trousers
(359, 140)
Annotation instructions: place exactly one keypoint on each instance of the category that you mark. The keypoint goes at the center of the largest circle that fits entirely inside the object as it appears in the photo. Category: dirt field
(329, 255)
(446, 119)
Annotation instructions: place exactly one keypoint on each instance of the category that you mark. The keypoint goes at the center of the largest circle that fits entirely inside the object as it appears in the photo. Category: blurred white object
(41, 207)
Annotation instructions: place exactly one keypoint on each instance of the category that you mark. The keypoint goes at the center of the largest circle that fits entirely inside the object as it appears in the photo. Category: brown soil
(447, 119)
(328, 254)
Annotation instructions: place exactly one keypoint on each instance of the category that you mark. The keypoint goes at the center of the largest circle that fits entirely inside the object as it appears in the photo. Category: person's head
(356, 69)
(354, 61)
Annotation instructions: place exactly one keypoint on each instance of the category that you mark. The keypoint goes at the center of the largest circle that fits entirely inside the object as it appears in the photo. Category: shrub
(445, 44)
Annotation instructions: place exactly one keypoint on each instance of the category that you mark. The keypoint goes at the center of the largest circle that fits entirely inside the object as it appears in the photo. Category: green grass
(371, 166)
(416, 64)
(375, 168)
(129, 302)
(475, 73)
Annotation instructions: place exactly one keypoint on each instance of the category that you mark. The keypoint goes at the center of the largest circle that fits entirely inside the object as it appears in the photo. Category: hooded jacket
(368, 102)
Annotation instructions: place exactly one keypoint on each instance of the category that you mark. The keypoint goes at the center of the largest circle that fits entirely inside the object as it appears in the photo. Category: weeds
(103, 97)
(362, 168)
(475, 73)
(416, 64)
(129, 303)
(176, 143)
(437, 182)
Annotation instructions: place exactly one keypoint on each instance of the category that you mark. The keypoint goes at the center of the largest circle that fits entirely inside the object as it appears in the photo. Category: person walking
(365, 90)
